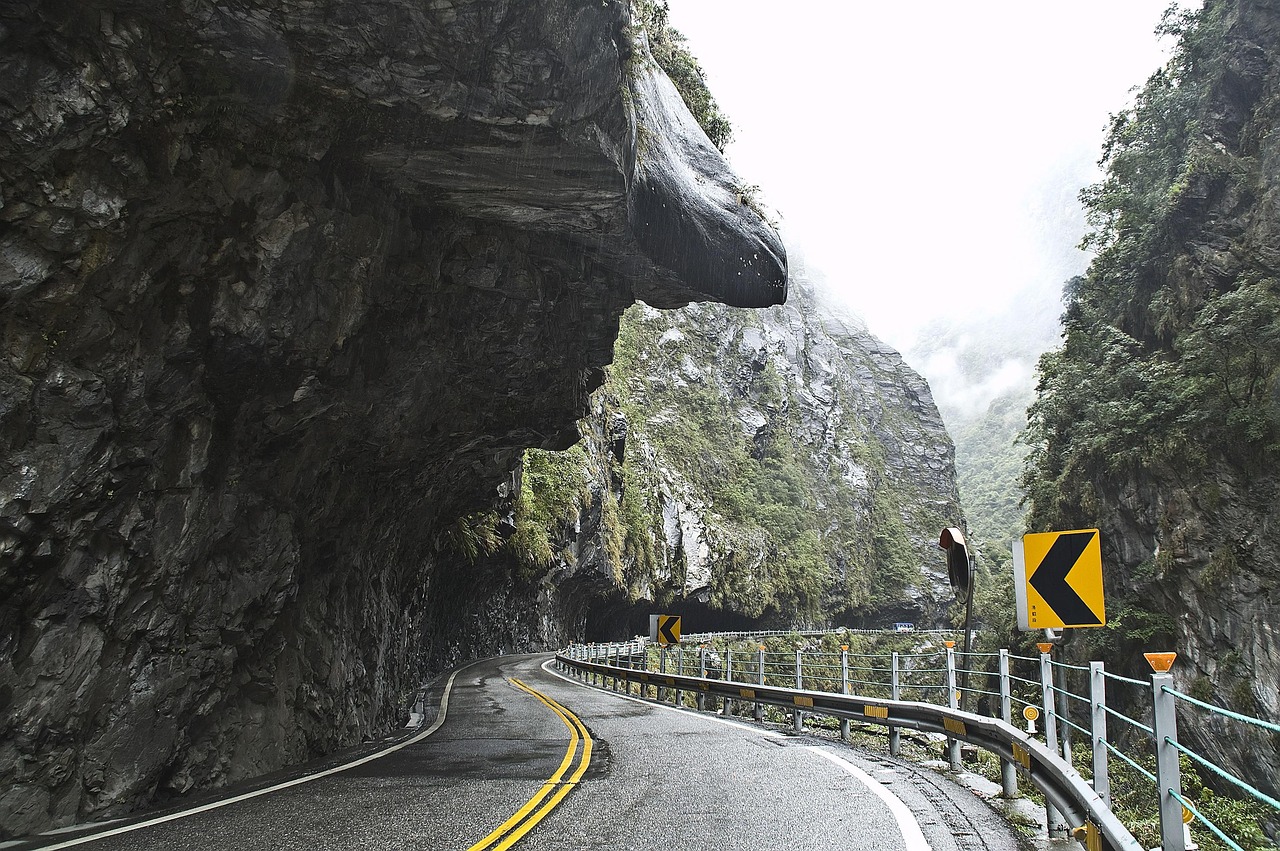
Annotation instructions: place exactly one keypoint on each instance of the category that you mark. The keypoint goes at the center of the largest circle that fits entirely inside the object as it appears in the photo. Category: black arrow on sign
(1050, 579)
(664, 630)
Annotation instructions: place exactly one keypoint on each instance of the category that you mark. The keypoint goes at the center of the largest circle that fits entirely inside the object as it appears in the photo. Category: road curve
(632, 775)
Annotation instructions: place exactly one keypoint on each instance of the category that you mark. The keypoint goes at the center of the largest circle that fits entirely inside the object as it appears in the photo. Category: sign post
(960, 570)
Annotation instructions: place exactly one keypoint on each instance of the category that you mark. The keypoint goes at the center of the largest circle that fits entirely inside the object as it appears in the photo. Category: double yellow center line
(553, 791)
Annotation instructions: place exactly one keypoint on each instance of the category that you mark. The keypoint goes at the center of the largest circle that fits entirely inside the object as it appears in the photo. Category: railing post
(796, 716)
(701, 698)
(1098, 728)
(680, 672)
(844, 688)
(953, 701)
(662, 669)
(728, 672)
(1057, 829)
(895, 691)
(760, 679)
(1164, 713)
(1008, 771)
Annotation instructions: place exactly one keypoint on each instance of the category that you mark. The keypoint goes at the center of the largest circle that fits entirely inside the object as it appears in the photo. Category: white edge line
(297, 781)
(764, 731)
(912, 835)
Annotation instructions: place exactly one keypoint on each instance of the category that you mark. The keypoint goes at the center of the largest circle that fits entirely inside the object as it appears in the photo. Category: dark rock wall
(284, 289)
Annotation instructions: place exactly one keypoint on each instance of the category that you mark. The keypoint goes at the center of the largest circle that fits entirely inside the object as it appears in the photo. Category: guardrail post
(895, 692)
(797, 717)
(844, 688)
(953, 701)
(617, 664)
(760, 679)
(1098, 727)
(1008, 771)
(728, 672)
(680, 672)
(702, 672)
(1168, 775)
(1057, 829)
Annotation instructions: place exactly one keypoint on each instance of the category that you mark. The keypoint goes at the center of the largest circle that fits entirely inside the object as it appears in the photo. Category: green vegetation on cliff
(754, 461)
(1172, 339)
(1158, 421)
(668, 46)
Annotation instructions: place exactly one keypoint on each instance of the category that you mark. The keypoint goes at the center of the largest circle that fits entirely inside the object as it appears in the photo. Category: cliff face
(285, 290)
(1159, 420)
(779, 467)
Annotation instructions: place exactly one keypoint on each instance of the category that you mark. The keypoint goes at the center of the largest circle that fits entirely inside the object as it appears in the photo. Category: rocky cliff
(1159, 420)
(779, 468)
(286, 289)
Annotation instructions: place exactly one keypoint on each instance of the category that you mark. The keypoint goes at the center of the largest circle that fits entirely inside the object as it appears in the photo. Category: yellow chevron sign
(1057, 579)
(664, 629)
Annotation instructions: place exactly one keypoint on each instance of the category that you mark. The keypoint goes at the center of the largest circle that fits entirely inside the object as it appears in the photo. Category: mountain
(1158, 421)
(779, 467)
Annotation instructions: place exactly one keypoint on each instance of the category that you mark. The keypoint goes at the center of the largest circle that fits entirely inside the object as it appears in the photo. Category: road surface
(506, 765)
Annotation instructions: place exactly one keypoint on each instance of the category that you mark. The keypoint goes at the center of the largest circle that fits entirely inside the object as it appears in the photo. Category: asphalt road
(656, 778)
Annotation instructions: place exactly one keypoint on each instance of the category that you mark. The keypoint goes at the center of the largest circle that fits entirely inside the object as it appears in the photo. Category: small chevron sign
(664, 629)
(1058, 580)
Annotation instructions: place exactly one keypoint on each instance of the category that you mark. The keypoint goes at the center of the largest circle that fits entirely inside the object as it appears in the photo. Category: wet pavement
(658, 778)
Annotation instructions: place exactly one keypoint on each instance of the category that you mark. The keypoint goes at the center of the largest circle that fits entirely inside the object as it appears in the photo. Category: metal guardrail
(897, 690)
(1059, 782)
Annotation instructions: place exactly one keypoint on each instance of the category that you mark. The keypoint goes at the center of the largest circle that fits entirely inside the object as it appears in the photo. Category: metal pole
(1098, 716)
(728, 671)
(1168, 775)
(844, 688)
(701, 699)
(680, 672)
(796, 716)
(1008, 771)
(895, 691)
(760, 678)
(662, 669)
(953, 701)
(1057, 828)
(968, 631)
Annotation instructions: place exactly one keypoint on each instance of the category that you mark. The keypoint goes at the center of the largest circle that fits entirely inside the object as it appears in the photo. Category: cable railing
(755, 678)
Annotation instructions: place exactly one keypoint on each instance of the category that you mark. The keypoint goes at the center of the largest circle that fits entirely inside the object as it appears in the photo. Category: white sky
(925, 155)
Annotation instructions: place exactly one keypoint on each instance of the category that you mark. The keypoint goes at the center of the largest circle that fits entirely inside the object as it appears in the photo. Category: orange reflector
(1044, 646)
(1160, 662)
(949, 644)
